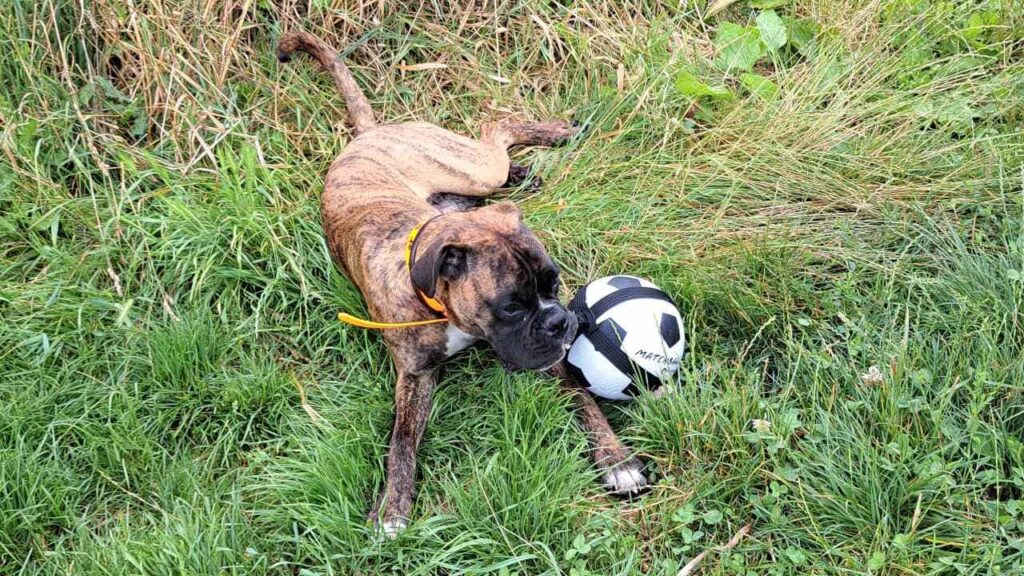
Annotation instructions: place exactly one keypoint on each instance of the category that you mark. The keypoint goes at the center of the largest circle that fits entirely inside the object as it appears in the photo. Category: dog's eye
(512, 308)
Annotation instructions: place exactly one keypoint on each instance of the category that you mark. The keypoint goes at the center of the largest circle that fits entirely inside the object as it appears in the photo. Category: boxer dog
(402, 215)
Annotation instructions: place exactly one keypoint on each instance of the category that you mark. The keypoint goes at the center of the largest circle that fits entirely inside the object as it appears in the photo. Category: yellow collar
(410, 256)
(432, 303)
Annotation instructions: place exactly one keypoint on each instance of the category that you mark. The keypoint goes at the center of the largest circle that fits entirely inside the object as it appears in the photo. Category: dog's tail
(359, 110)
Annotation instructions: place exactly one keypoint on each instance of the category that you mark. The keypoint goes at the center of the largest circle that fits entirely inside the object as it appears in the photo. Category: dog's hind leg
(509, 134)
(431, 160)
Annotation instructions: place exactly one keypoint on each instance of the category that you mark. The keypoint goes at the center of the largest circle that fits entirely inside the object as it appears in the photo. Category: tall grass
(177, 397)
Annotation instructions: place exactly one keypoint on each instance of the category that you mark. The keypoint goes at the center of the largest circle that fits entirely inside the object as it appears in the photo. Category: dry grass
(178, 398)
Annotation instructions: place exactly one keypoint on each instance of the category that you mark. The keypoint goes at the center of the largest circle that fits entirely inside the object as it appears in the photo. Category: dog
(403, 217)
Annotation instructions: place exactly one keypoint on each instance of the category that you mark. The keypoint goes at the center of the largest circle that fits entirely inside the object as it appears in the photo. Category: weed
(830, 189)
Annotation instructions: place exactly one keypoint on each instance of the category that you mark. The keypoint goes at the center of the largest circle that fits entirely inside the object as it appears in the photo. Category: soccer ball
(630, 337)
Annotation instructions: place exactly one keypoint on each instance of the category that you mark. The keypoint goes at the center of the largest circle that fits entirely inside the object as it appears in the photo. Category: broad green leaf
(979, 22)
(772, 29)
(766, 4)
(801, 34)
(738, 47)
(717, 6)
(140, 125)
(712, 517)
(111, 91)
(834, 71)
(759, 86)
(877, 560)
(974, 26)
(689, 536)
(86, 94)
(684, 515)
(923, 109)
(794, 555)
(26, 137)
(954, 111)
(689, 85)
(719, 92)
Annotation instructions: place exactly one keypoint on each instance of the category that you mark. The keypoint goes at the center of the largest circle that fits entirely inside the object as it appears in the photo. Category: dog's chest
(457, 340)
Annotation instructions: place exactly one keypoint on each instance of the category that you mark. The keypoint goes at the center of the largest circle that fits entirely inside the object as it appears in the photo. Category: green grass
(177, 398)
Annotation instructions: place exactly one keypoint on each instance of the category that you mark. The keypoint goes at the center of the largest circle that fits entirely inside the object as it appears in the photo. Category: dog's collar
(410, 258)
(433, 303)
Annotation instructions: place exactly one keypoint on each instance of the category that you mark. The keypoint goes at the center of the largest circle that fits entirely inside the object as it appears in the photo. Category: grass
(177, 397)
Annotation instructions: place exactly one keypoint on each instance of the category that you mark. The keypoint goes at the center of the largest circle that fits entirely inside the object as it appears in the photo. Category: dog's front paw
(391, 528)
(625, 480)
(579, 127)
(666, 390)
(387, 523)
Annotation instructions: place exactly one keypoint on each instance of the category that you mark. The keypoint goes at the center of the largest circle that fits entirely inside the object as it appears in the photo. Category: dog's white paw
(665, 390)
(626, 479)
(391, 528)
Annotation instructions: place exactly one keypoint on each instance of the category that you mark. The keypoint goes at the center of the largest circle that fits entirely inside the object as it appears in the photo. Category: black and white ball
(631, 337)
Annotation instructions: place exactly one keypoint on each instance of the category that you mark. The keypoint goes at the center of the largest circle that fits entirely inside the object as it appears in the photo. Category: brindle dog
(492, 276)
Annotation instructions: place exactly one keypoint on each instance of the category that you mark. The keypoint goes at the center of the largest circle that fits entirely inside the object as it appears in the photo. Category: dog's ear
(440, 259)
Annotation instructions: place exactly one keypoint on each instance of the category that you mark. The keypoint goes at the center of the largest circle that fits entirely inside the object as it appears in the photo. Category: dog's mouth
(511, 367)
(520, 350)
(556, 362)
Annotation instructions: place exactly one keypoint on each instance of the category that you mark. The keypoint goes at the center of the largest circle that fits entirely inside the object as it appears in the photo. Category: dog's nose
(556, 322)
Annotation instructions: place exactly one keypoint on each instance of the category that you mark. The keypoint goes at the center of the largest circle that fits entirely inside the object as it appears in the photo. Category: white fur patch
(666, 389)
(391, 528)
(624, 479)
(457, 340)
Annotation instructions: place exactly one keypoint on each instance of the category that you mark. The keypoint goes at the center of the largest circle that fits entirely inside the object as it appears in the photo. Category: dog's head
(497, 283)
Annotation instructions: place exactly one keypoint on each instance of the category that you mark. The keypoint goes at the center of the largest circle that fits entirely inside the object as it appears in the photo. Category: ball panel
(627, 295)
(624, 282)
(669, 328)
(602, 287)
(599, 374)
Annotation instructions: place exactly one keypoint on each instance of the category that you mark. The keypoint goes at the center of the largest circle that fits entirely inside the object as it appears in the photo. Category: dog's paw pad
(534, 184)
(519, 175)
(626, 479)
(579, 127)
